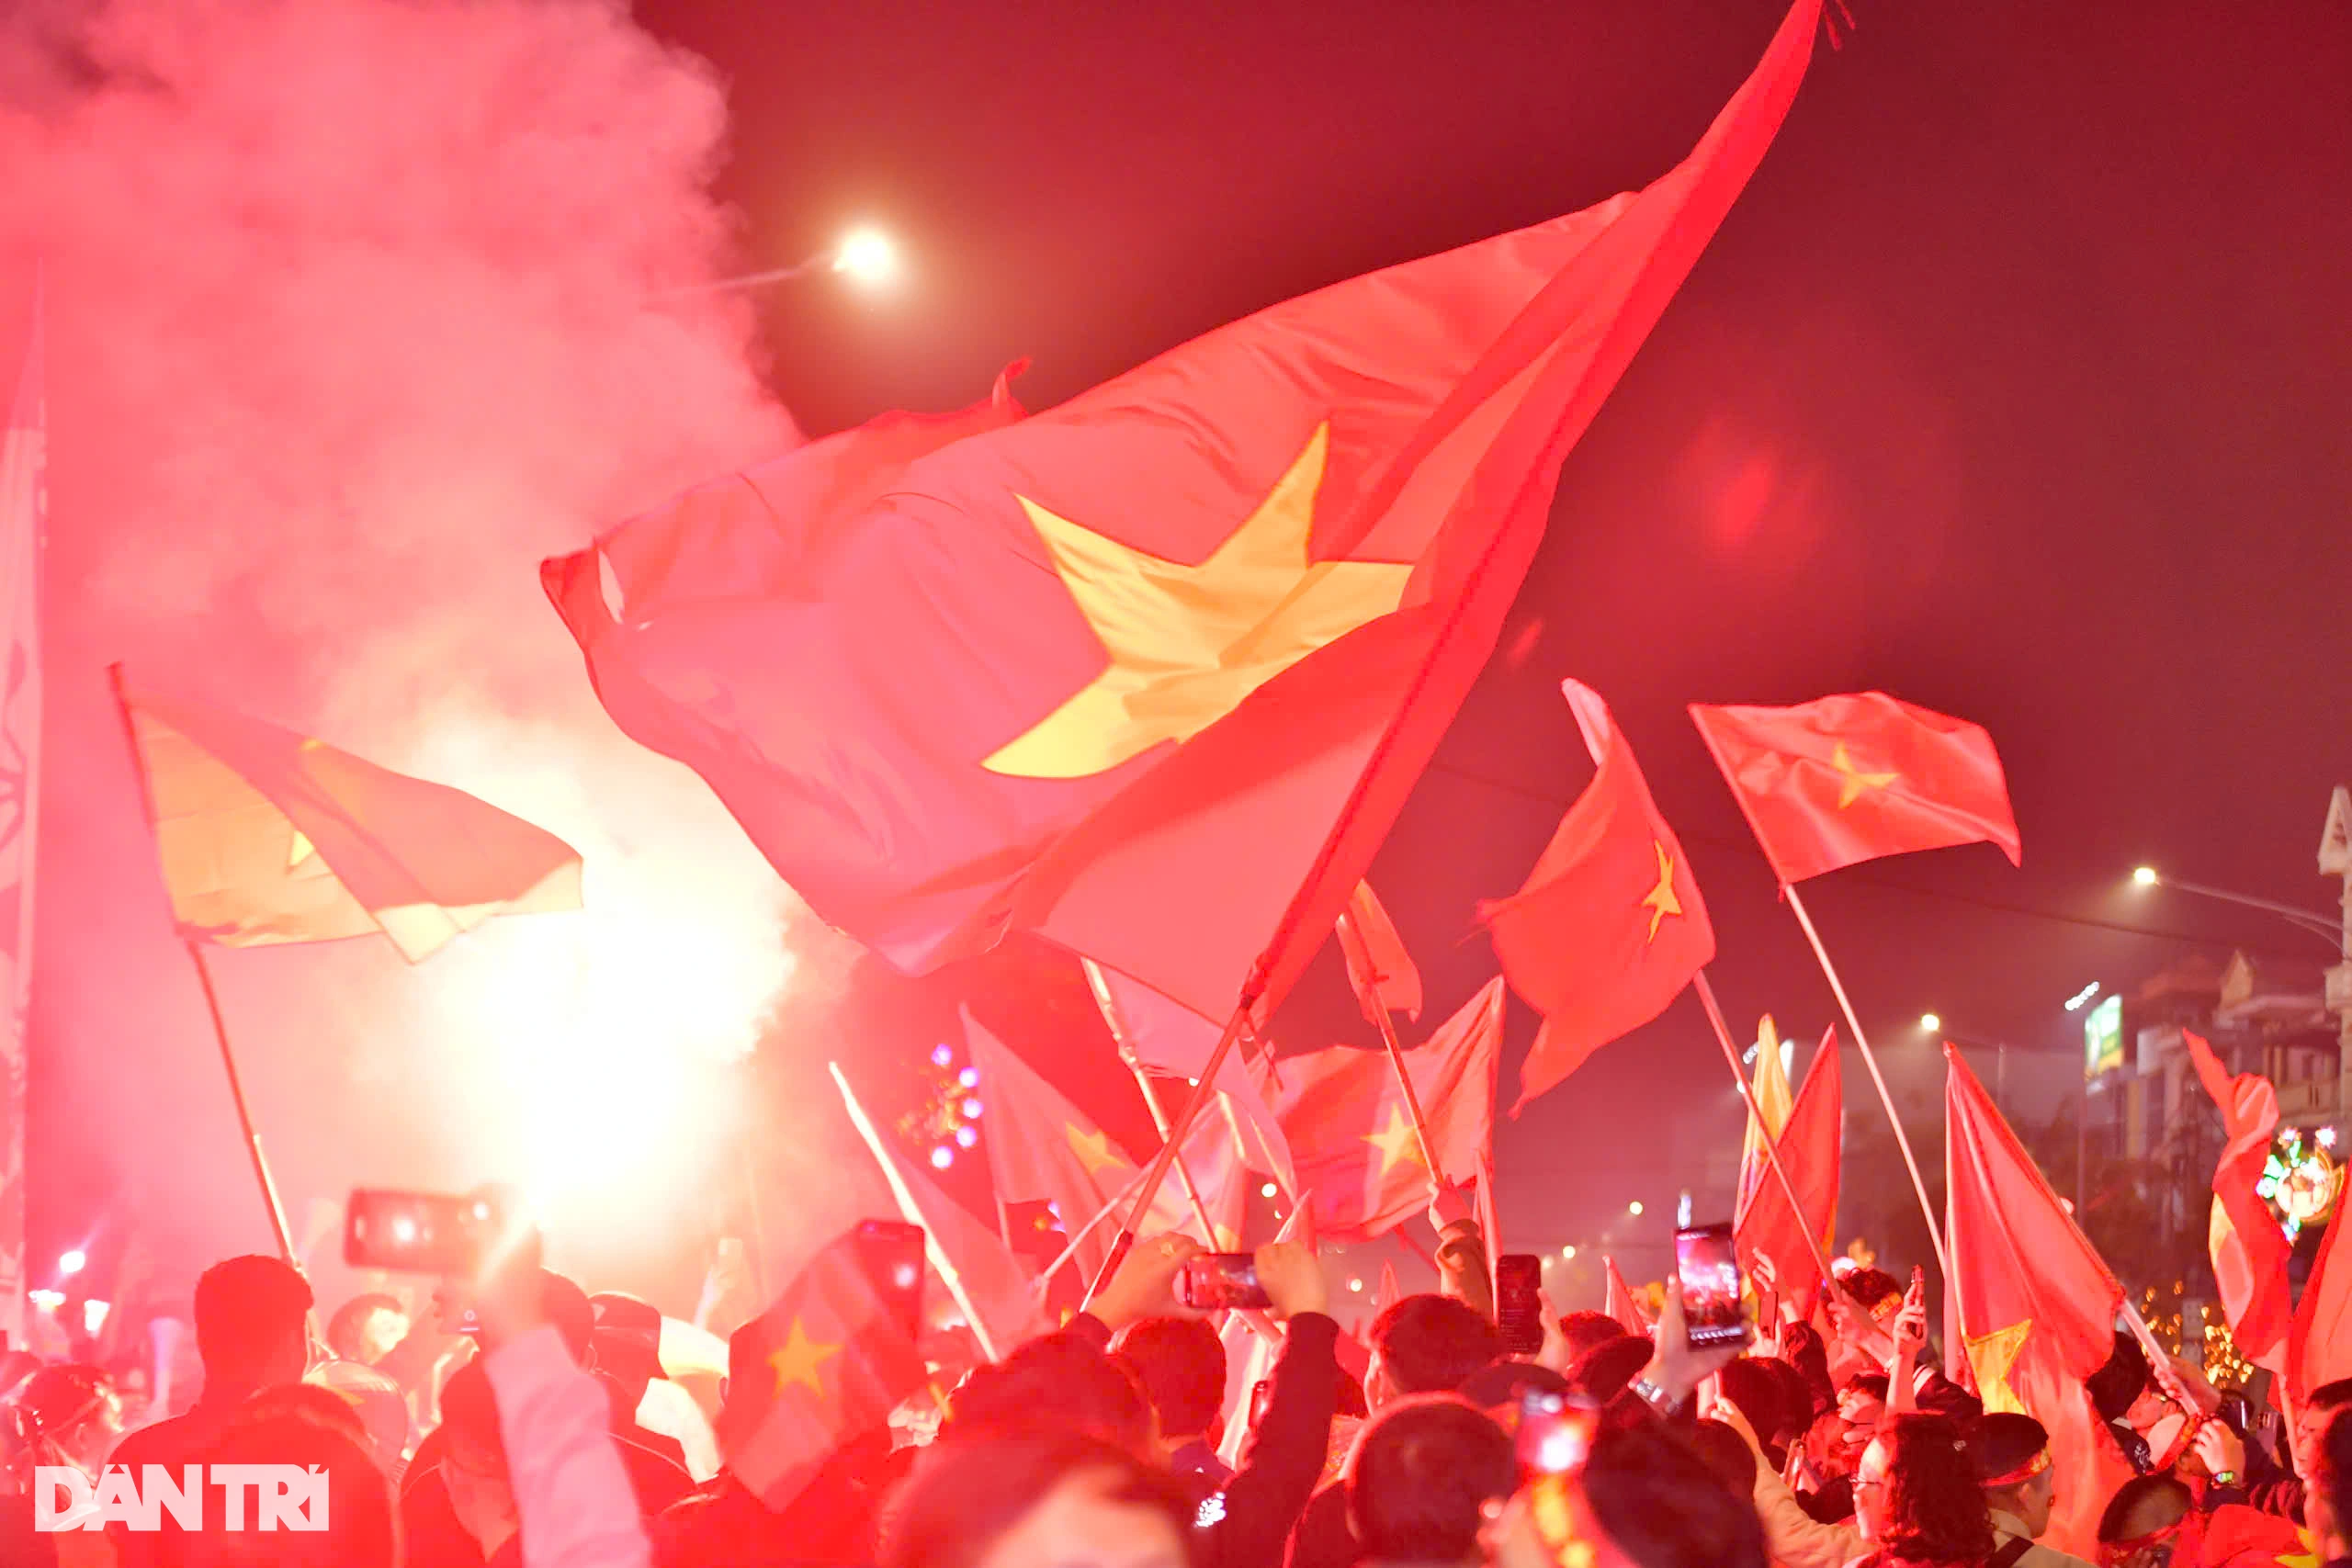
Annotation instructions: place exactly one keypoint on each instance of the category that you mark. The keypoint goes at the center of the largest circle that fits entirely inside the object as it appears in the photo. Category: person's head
(626, 1343)
(1603, 1373)
(1726, 1453)
(1055, 1380)
(2327, 1500)
(1862, 1402)
(1180, 1363)
(1498, 1387)
(1799, 1403)
(1879, 1292)
(1583, 1330)
(473, 1460)
(1665, 1508)
(73, 1412)
(299, 1426)
(2312, 1419)
(366, 1327)
(1424, 1471)
(2123, 1383)
(251, 1322)
(2148, 1522)
(1917, 1494)
(1044, 1495)
(1427, 1345)
(2012, 1452)
(1833, 1444)
(373, 1401)
(1748, 1386)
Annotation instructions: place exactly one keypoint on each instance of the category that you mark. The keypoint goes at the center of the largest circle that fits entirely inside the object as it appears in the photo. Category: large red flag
(1119, 673)
(2319, 1347)
(1609, 926)
(2249, 1250)
(829, 1360)
(1040, 1145)
(1809, 1153)
(1851, 778)
(1618, 1301)
(1352, 1136)
(2036, 1304)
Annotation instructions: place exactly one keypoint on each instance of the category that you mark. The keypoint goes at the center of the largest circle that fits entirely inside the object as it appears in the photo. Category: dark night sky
(2016, 385)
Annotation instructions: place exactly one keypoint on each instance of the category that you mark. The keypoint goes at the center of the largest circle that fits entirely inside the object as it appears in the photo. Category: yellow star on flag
(1853, 781)
(1991, 1355)
(1661, 901)
(1094, 1148)
(1396, 1142)
(797, 1359)
(1186, 644)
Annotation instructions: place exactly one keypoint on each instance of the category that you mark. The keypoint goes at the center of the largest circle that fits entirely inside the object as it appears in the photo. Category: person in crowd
(1652, 1496)
(472, 1467)
(1420, 1344)
(2328, 1505)
(2020, 1488)
(1180, 1364)
(1606, 1370)
(375, 1401)
(1580, 1331)
(252, 1332)
(428, 1519)
(1726, 1452)
(1918, 1498)
(70, 1415)
(625, 1349)
(1791, 1536)
(1043, 1494)
(365, 1328)
(1425, 1470)
(2154, 1521)
(310, 1428)
(2286, 1495)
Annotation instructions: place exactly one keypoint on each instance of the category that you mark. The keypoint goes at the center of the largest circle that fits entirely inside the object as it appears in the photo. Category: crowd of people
(1828, 1439)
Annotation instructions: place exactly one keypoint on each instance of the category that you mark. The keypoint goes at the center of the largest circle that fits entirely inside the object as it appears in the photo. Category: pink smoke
(357, 308)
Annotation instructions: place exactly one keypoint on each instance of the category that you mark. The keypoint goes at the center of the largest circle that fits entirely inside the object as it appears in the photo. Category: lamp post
(2310, 920)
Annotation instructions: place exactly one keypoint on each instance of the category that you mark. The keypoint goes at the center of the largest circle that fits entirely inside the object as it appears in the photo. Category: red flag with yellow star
(1150, 672)
(1040, 1145)
(1351, 1136)
(2248, 1249)
(1609, 926)
(828, 1360)
(2036, 1304)
(1849, 778)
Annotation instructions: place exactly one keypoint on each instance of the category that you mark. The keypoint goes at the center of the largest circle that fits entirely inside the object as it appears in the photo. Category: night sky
(2015, 385)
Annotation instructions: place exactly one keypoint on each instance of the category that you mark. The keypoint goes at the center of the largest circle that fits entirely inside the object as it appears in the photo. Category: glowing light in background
(942, 1156)
(2145, 876)
(868, 258)
(1931, 1022)
(969, 1077)
(94, 1317)
(1568, 1251)
(2082, 999)
(1634, 1207)
(71, 1262)
(966, 1136)
(1267, 1191)
(942, 1056)
(1356, 1285)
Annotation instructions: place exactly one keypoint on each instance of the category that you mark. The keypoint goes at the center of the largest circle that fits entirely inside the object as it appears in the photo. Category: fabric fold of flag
(1041, 1146)
(828, 1360)
(1608, 926)
(1846, 779)
(2319, 1347)
(1352, 1137)
(2036, 1304)
(1764, 1226)
(1118, 672)
(267, 836)
(1384, 975)
(1618, 1301)
(2248, 1249)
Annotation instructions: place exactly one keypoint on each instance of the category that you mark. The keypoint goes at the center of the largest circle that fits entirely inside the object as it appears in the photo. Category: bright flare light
(71, 1262)
(1568, 1251)
(1267, 1191)
(1356, 1285)
(2145, 876)
(867, 256)
(1931, 1024)
(1635, 1208)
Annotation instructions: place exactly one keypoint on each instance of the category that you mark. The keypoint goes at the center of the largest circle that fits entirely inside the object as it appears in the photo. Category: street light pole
(2311, 920)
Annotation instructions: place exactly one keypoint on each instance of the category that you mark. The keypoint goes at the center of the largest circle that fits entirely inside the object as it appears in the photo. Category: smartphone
(1519, 1302)
(1706, 1267)
(1261, 1393)
(417, 1233)
(890, 1255)
(1555, 1432)
(1221, 1281)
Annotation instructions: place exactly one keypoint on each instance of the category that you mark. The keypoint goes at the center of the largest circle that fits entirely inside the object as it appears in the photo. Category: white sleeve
(577, 1507)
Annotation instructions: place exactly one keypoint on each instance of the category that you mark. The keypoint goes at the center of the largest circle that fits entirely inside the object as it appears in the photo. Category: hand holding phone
(1706, 1265)
(1519, 1302)
(1221, 1281)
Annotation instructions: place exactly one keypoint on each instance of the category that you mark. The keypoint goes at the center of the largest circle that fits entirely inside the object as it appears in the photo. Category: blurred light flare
(1931, 1024)
(72, 1261)
(2145, 876)
(1635, 1208)
(867, 256)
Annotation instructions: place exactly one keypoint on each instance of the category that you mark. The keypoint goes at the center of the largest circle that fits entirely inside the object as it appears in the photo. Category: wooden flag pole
(1110, 1010)
(1203, 1093)
(913, 1215)
(1387, 1027)
(262, 1176)
(1869, 1059)
(1769, 1139)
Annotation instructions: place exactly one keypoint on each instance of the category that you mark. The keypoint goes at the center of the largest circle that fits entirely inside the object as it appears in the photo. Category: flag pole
(1378, 1012)
(1769, 1139)
(211, 998)
(1110, 1010)
(1156, 1173)
(913, 1215)
(1869, 1059)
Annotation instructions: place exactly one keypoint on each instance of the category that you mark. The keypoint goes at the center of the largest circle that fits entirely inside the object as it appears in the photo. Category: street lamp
(1931, 1024)
(2326, 927)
